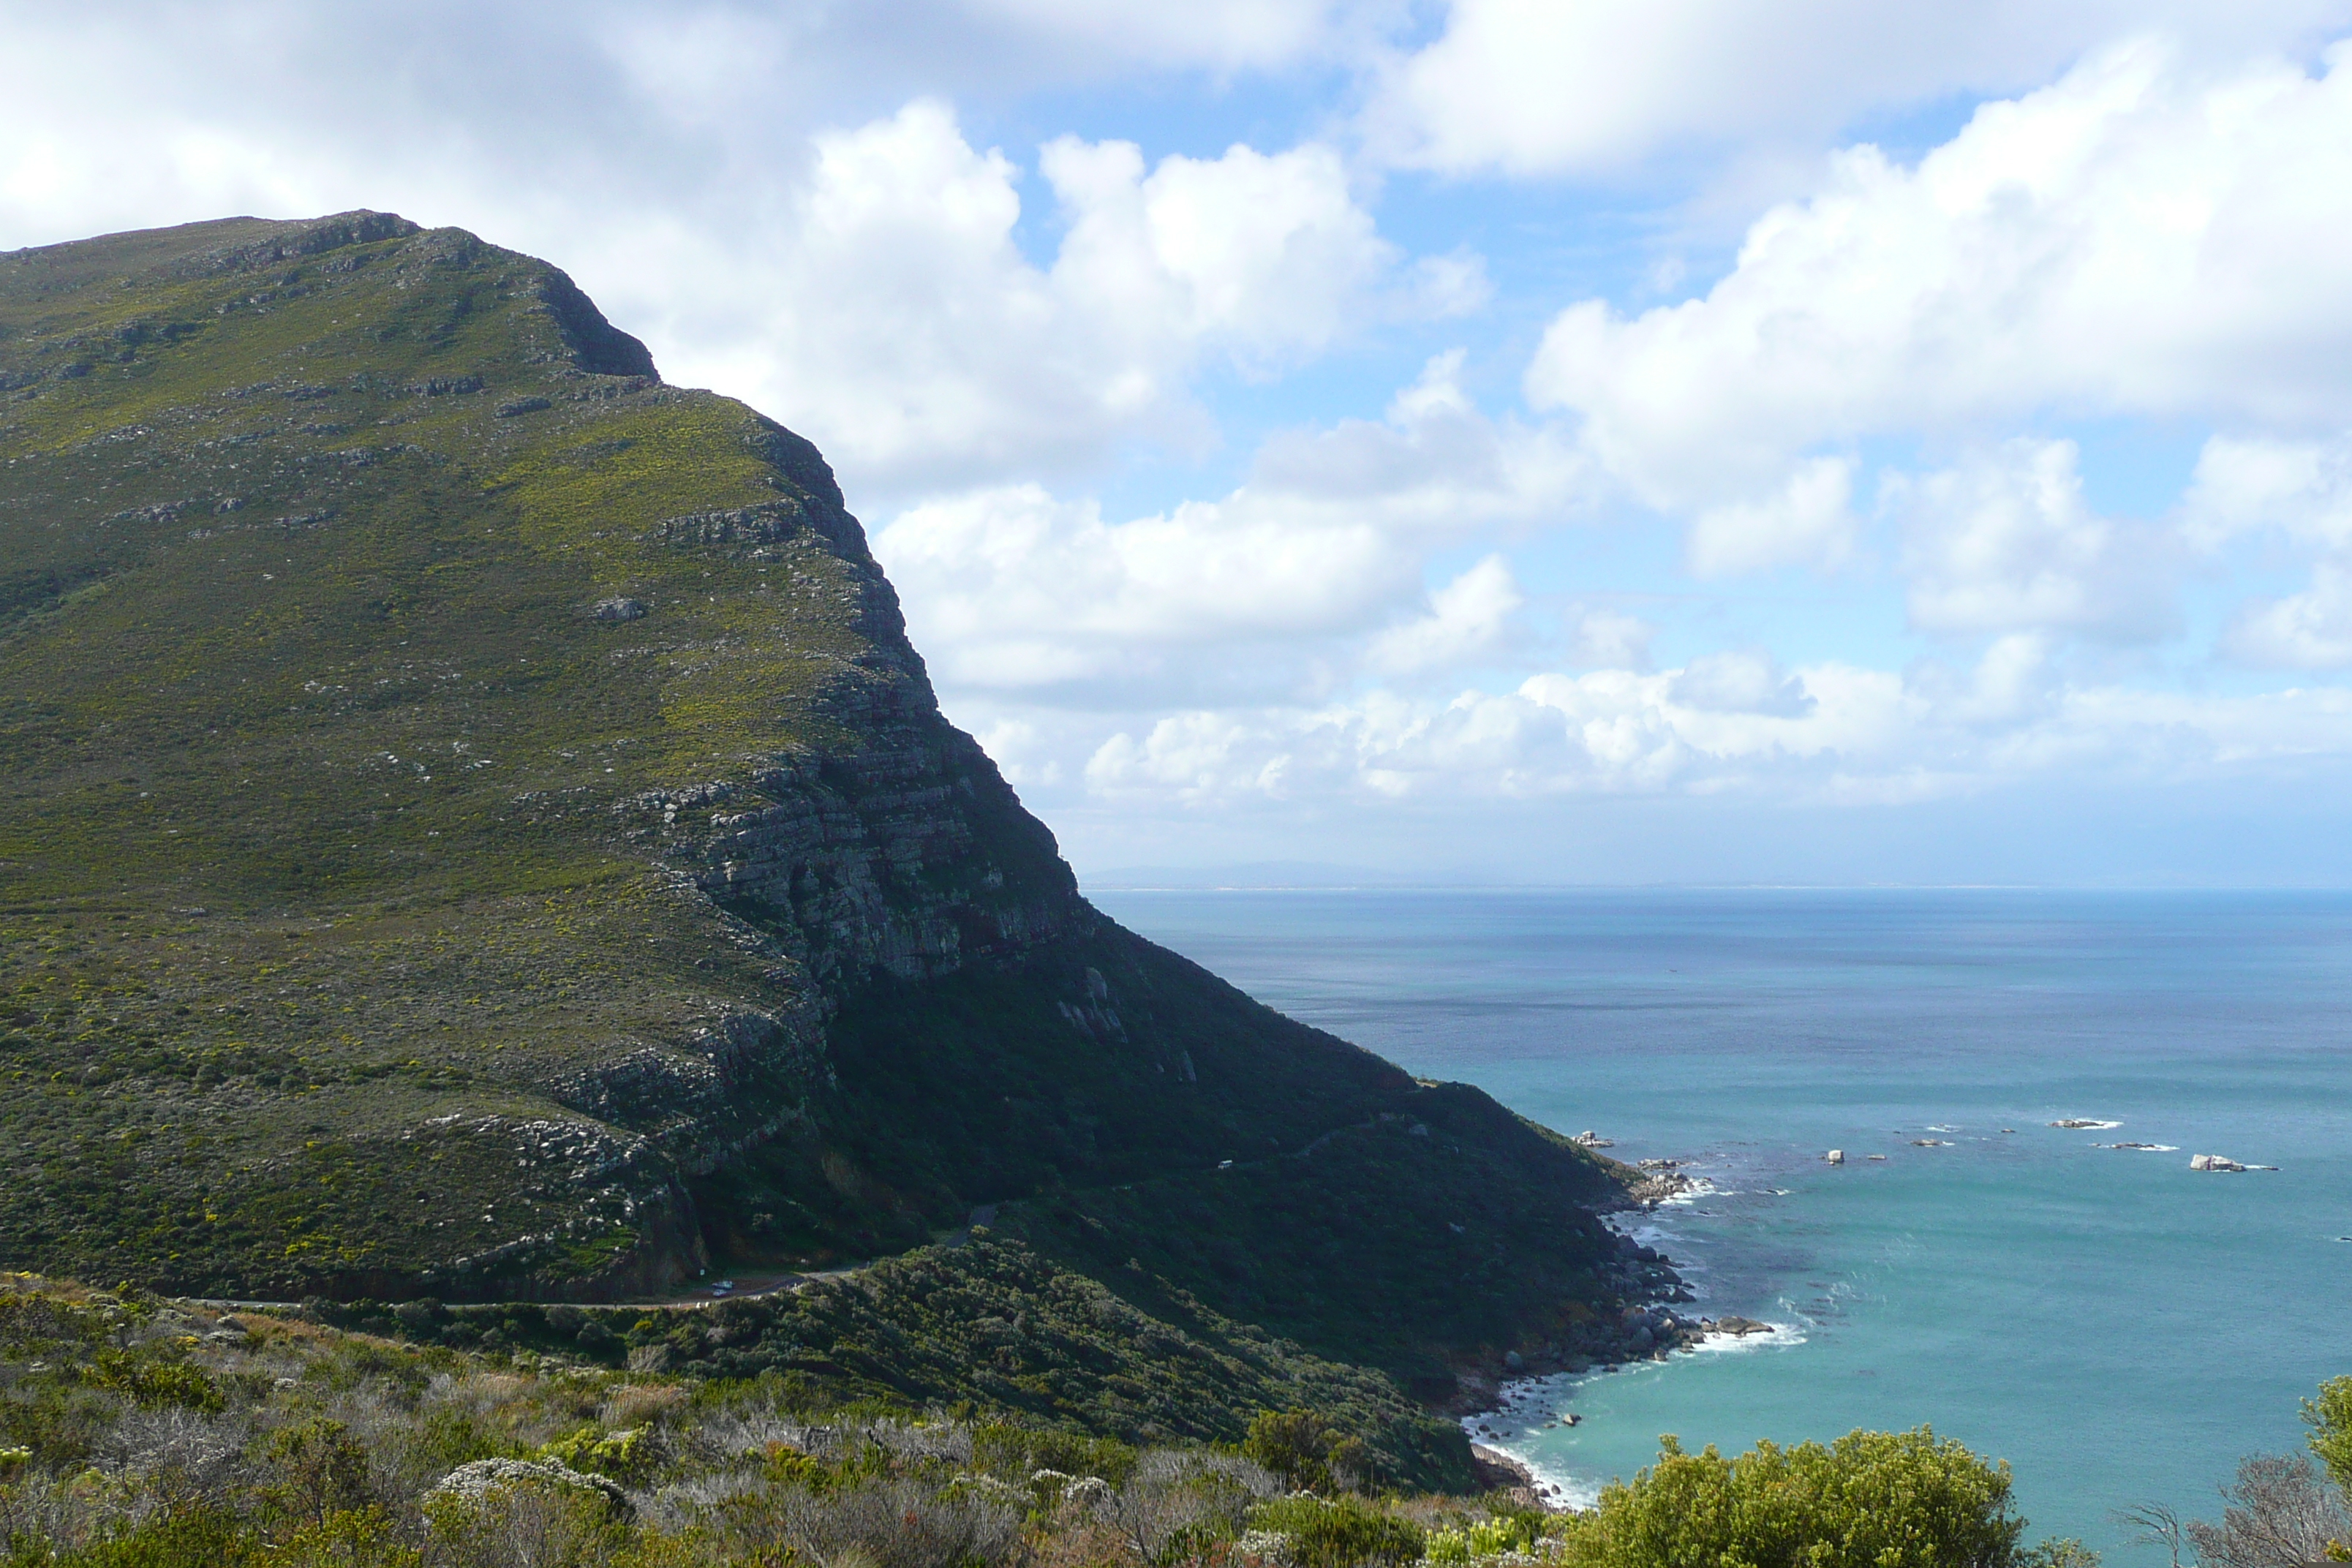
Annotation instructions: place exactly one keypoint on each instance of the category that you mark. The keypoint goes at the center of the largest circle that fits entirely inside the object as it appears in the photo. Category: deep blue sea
(2116, 1326)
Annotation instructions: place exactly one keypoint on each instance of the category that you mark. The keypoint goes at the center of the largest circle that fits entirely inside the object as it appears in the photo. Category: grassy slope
(324, 861)
(991, 1325)
(82, 1372)
(303, 717)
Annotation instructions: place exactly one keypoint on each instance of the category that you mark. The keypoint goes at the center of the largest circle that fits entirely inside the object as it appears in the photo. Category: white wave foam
(1522, 1406)
(2143, 1148)
(1700, 1187)
(2083, 1124)
(1648, 1234)
(1569, 1489)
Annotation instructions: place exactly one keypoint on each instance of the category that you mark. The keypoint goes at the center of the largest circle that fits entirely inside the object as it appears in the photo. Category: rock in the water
(1835, 1156)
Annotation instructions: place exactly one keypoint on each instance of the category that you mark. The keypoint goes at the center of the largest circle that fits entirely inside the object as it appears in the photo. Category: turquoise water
(2118, 1328)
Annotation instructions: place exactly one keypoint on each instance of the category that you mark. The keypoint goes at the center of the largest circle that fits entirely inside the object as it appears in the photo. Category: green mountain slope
(471, 824)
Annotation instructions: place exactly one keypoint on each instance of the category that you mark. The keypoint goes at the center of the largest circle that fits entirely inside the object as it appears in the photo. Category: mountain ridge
(475, 827)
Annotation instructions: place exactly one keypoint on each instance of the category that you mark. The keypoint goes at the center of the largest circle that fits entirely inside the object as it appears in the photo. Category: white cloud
(1263, 256)
(1219, 35)
(2245, 484)
(2005, 542)
(1010, 587)
(1747, 681)
(1468, 618)
(1194, 758)
(1533, 88)
(2134, 239)
(2014, 681)
(1810, 521)
(901, 326)
(1435, 465)
(2310, 630)
(2300, 491)
(1827, 734)
(1609, 639)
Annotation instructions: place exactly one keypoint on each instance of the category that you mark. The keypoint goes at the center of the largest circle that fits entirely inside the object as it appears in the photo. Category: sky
(1494, 440)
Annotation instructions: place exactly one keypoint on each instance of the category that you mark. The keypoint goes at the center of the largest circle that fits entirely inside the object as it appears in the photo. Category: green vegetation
(139, 1430)
(985, 1326)
(2330, 1416)
(314, 744)
(1889, 1500)
(1339, 1532)
(322, 1446)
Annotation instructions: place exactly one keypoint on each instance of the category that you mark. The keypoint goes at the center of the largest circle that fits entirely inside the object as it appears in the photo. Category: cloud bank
(1302, 426)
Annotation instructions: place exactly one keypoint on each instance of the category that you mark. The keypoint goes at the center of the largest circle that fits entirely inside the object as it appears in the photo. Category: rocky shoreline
(1642, 1324)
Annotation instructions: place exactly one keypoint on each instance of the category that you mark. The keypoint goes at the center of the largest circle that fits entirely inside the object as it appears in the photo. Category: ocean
(2117, 1327)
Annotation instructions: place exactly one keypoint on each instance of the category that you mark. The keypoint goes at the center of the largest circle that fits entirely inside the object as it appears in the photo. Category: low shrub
(1892, 1500)
(1339, 1532)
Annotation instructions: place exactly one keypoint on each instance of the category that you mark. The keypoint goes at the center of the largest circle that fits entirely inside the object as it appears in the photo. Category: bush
(2330, 1416)
(1342, 1532)
(1453, 1547)
(625, 1456)
(1296, 1445)
(525, 1521)
(2282, 1513)
(202, 1535)
(895, 1521)
(320, 1471)
(356, 1538)
(1880, 1498)
(152, 1381)
(1015, 1452)
(1181, 1501)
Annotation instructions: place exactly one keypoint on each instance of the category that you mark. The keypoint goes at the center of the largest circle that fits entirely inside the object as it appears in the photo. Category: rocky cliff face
(474, 824)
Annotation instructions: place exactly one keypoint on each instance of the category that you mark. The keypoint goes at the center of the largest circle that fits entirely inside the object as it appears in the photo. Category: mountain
(472, 825)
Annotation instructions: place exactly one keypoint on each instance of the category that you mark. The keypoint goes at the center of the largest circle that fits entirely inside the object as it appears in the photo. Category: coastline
(1529, 1389)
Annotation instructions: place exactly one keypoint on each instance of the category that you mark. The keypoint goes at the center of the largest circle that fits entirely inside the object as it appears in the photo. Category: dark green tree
(320, 1471)
(2330, 1416)
(1295, 1444)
